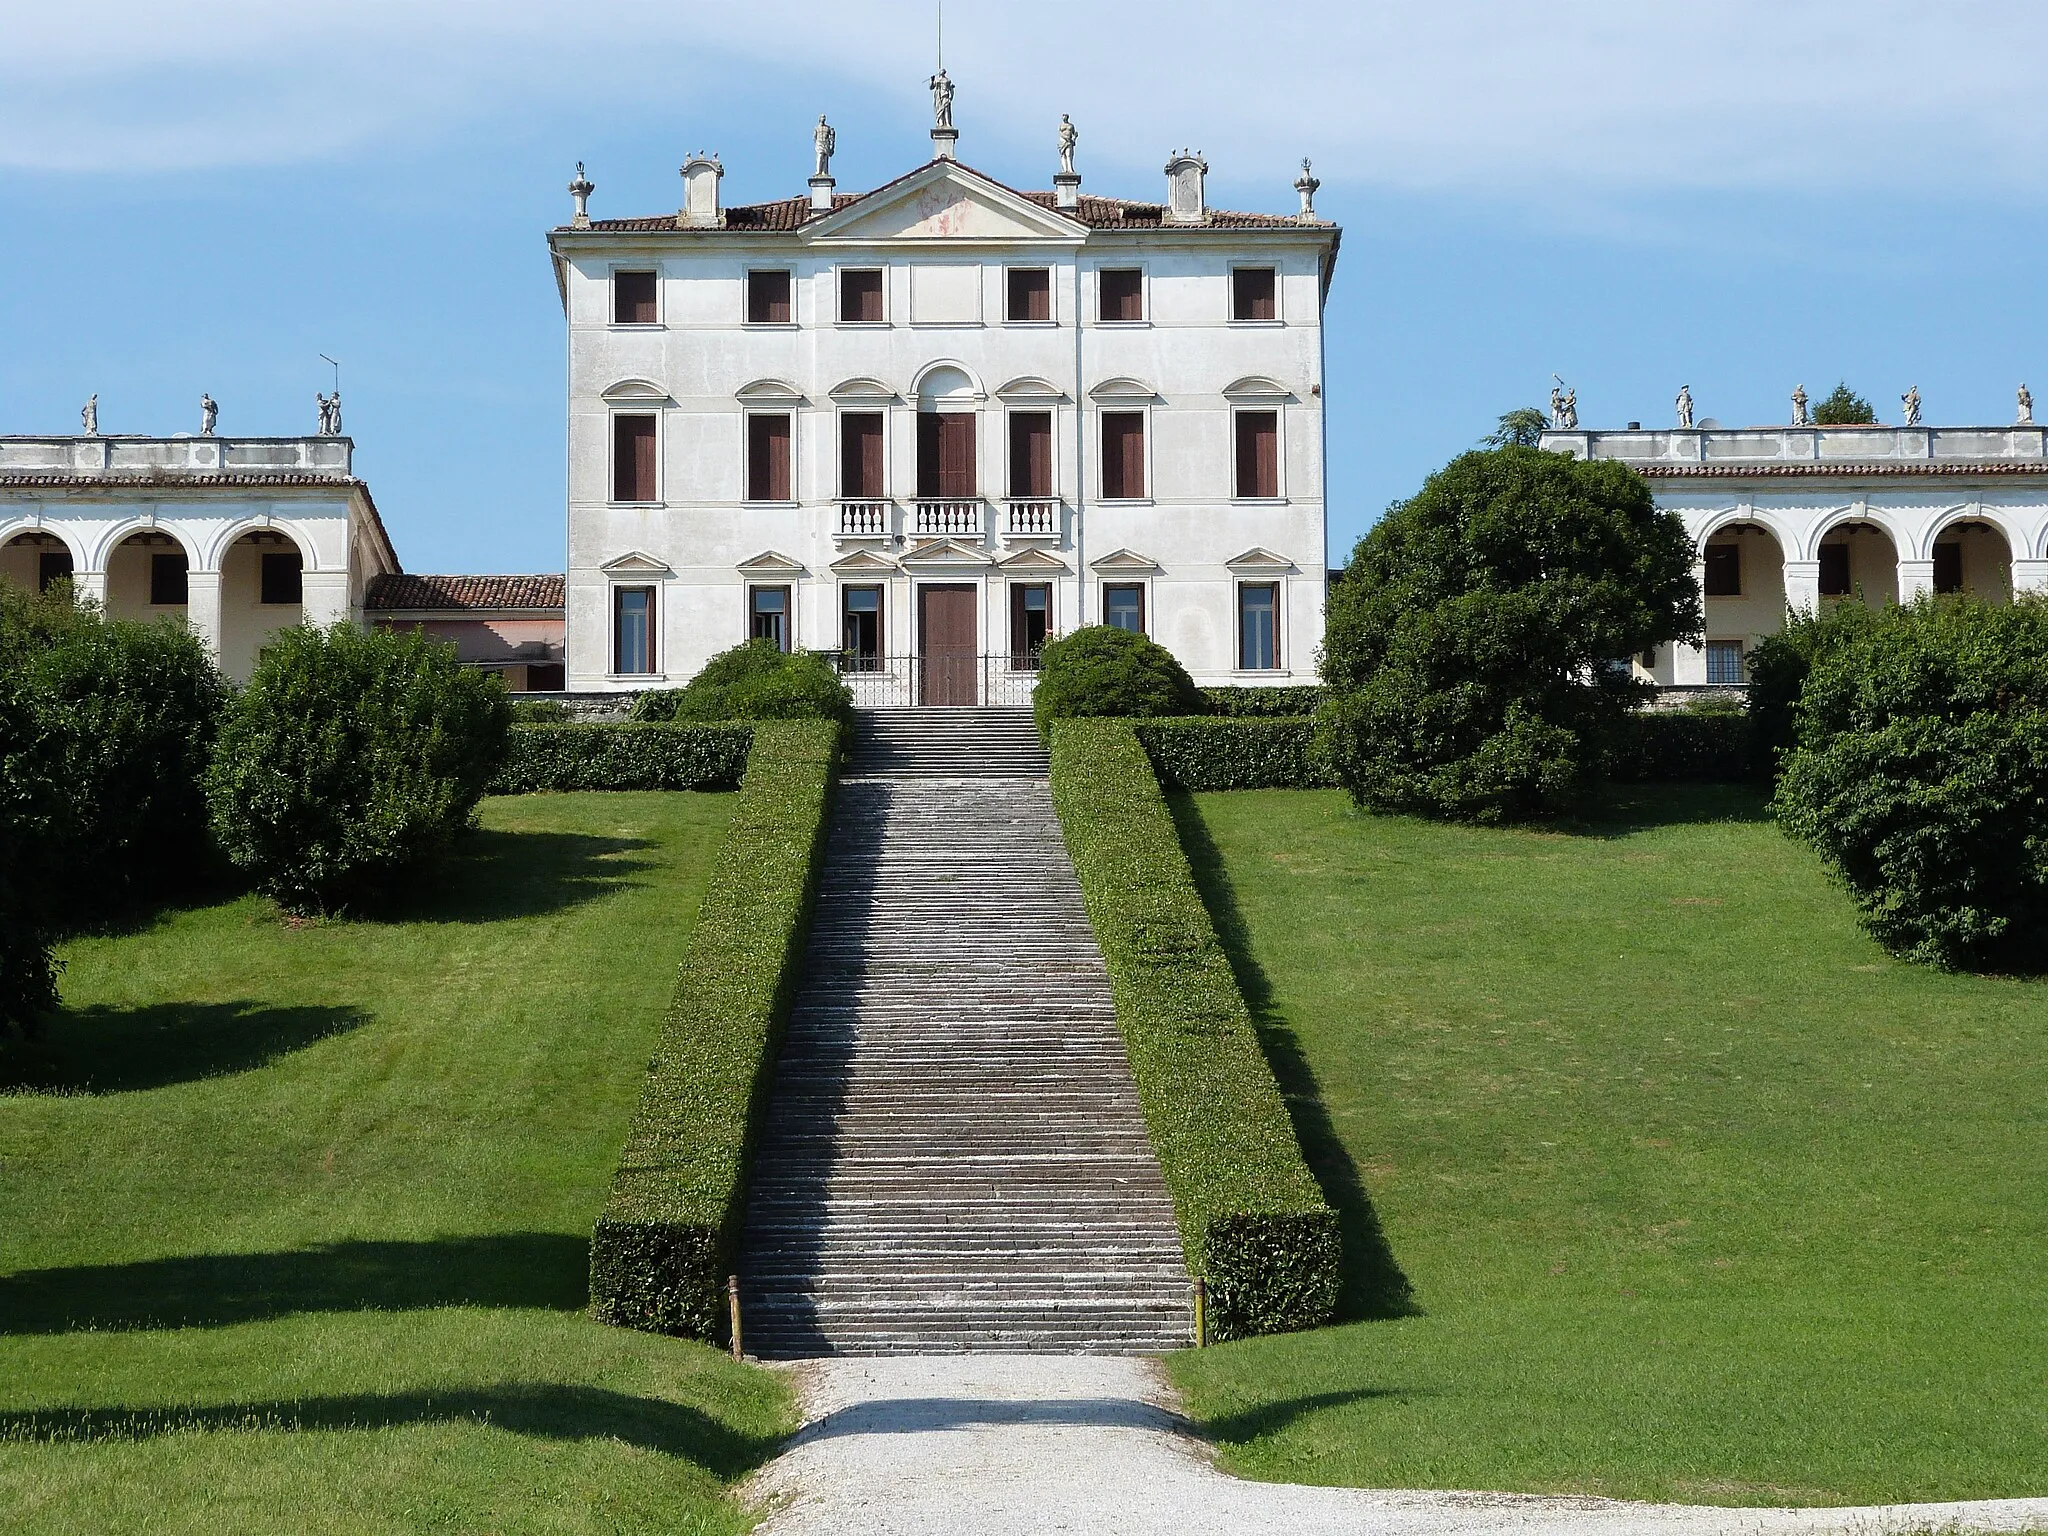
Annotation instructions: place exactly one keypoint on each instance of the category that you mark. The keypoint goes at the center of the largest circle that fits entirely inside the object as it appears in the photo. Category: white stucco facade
(101, 510)
(947, 334)
(1817, 515)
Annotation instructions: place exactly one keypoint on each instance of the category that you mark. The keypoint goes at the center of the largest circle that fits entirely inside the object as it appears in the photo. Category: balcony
(949, 518)
(1031, 520)
(863, 520)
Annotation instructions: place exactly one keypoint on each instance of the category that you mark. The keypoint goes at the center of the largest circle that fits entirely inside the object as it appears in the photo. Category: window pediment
(635, 563)
(770, 391)
(1125, 562)
(1133, 390)
(944, 553)
(1258, 559)
(864, 562)
(1028, 561)
(865, 391)
(1256, 388)
(770, 562)
(1033, 389)
(637, 389)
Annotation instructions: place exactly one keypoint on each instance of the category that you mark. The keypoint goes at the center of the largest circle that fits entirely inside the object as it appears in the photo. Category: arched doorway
(35, 560)
(1858, 562)
(948, 478)
(147, 576)
(1972, 557)
(1743, 591)
(261, 591)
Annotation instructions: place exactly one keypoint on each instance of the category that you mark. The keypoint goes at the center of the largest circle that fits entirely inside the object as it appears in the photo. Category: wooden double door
(948, 648)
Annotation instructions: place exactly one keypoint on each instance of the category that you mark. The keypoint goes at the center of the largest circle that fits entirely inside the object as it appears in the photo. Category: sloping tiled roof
(457, 594)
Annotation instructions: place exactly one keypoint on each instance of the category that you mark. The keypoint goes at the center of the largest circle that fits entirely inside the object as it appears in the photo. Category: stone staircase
(953, 1157)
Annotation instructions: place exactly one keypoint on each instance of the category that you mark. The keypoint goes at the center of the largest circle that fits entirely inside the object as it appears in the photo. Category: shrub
(1251, 1217)
(665, 1241)
(1921, 777)
(755, 681)
(608, 755)
(1206, 753)
(1778, 668)
(1469, 642)
(352, 758)
(1844, 408)
(28, 973)
(1259, 703)
(540, 712)
(1703, 743)
(1102, 670)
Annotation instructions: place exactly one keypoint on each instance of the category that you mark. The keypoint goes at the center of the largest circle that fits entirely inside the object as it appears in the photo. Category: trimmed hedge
(1658, 746)
(619, 755)
(1205, 752)
(1252, 1219)
(1259, 703)
(666, 1239)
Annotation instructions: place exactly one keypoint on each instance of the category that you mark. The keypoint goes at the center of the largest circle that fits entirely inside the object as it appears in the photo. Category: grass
(1659, 1179)
(294, 1219)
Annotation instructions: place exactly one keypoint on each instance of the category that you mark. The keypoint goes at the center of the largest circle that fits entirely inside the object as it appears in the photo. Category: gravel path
(989, 1445)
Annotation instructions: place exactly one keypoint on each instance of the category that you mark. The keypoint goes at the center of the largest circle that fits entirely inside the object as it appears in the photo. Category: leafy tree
(1100, 669)
(1778, 668)
(1471, 647)
(28, 973)
(756, 681)
(1921, 777)
(353, 758)
(1522, 428)
(1844, 408)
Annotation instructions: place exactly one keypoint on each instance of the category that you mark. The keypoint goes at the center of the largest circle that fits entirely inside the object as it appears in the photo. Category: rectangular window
(860, 455)
(283, 578)
(1724, 570)
(1030, 455)
(635, 298)
(1948, 567)
(1030, 624)
(1258, 454)
(945, 456)
(1123, 455)
(768, 457)
(1029, 294)
(52, 566)
(167, 579)
(633, 458)
(1258, 626)
(1123, 605)
(768, 298)
(1253, 294)
(632, 631)
(860, 296)
(861, 629)
(1724, 661)
(768, 615)
(1121, 292)
(1834, 570)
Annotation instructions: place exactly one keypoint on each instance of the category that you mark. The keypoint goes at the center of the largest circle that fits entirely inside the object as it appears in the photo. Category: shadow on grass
(1271, 1418)
(494, 875)
(1374, 1284)
(517, 1269)
(546, 1410)
(100, 1049)
(1626, 809)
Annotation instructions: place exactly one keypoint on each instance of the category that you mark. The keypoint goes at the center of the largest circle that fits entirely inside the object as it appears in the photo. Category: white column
(202, 607)
(1915, 577)
(323, 597)
(2030, 575)
(92, 584)
(1802, 586)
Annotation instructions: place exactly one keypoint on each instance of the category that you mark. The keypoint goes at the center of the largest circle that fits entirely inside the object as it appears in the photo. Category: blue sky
(1741, 197)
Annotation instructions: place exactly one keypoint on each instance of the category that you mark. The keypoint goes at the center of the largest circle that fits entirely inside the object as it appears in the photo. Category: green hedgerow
(352, 758)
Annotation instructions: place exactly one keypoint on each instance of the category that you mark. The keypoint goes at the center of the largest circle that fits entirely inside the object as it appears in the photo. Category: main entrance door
(949, 661)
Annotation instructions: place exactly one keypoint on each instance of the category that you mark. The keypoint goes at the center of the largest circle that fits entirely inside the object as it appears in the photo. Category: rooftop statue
(1800, 416)
(942, 100)
(1685, 407)
(209, 413)
(1557, 408)
(1911, 401)
(1069, 137)
(824, 140)
(89, 414)
(1571, 409)
(2025, 418)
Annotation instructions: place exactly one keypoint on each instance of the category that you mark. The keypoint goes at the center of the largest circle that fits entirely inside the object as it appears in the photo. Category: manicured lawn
(294, 1219)
(1686, 1191)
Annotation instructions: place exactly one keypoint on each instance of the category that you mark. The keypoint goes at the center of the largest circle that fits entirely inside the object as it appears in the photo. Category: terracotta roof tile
(389, 594)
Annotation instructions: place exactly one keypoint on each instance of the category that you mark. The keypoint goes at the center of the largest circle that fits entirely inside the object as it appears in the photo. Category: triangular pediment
(1033, 560)
(943, 201)
(864, 562)
(1257, 559)
(949, 552)
(770, 562)
(634, 562)
(1124, 562)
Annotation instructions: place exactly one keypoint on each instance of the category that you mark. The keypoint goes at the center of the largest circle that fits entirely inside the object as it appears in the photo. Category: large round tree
(1478, 642)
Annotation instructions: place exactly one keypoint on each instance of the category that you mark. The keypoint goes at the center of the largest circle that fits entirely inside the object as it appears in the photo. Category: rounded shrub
(1103, 670)
(756, 681)
(28, 973)
(1920, 775)
(351, 759)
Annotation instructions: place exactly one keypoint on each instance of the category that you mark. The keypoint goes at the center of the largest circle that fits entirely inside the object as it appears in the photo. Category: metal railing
(949, 518)
(1034, 518)
(864, 519)
(959, 678)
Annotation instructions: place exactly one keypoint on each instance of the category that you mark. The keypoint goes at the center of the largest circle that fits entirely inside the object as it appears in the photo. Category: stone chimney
(701, 173)
(580, 189)
(1186, 200)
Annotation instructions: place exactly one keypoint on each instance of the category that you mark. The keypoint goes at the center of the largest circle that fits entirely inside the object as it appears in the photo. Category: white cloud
(1526, 101)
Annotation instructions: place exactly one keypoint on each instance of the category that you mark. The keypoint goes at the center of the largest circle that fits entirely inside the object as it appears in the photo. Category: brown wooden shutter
(1030, 296)
(633, 458)
(860, 296)
(1258, 453)
(634, 298)
(956, 455)
(1122, 292)
(1031, 453)
(768, 458)
(860, 454)
(927, 453)
(768, 297)
(1252, 295)
(1123, 455)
